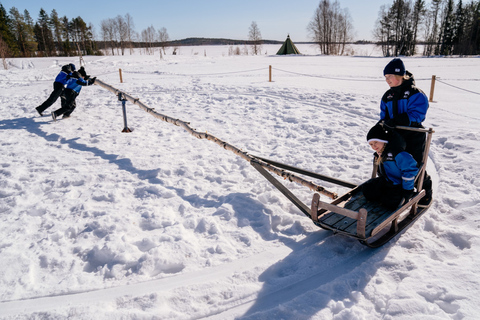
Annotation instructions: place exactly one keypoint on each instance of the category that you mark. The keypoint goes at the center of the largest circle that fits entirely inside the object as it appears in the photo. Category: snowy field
(156, 224)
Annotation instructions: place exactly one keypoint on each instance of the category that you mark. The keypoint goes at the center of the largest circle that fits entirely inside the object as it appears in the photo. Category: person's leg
(372, 189)
(57, 92)
(72, 105)
(69, 99)
(392, 196)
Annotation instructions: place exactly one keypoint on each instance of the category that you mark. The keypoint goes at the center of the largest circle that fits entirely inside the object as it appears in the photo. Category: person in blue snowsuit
(73, 87)
(397, 169)
(58, 88)
(406, 105)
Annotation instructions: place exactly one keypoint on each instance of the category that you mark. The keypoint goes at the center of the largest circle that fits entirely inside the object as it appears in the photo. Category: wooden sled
(369, 222)
(351, 214)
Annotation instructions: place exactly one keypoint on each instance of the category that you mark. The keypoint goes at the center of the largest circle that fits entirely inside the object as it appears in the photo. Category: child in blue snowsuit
(74, 85)
(58, 87)
(406, 105)
(396, 171)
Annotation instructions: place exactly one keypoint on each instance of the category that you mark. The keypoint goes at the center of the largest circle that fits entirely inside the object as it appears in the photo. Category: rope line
(451, 85)
(200, 74)
(262, 69)
(325, 77)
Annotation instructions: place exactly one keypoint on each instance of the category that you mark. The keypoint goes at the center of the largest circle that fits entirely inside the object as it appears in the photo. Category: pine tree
(66, 34)
(459, 25)
(9, 46)
(431, 36)
(446, 41)
(43, 34)
(57, 27)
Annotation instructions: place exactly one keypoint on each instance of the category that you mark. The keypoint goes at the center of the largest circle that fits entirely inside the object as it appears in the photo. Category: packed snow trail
(252, 305)
(212, 274)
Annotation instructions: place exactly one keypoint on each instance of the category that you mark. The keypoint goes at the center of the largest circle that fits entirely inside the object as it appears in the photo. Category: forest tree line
(445, 27)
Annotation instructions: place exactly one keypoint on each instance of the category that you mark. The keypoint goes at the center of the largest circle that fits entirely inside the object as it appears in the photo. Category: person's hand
(407, 194)
(390, 123)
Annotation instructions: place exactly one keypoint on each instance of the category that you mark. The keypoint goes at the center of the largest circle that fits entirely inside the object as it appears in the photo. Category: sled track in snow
(266, 299)
(46, 303)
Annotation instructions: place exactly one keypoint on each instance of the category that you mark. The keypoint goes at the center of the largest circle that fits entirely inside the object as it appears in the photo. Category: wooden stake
(432, 88)
(269, 73)
(120, 72)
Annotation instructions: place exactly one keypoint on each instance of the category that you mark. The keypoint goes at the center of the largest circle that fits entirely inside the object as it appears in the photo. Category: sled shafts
(287, 193)
(225, 145)
(309, 173)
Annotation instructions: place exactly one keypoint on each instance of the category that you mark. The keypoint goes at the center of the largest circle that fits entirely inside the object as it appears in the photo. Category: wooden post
(120, 72)
(270, 73)
(432, 88)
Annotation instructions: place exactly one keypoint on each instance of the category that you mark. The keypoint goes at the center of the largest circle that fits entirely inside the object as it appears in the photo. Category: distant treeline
(445, 28)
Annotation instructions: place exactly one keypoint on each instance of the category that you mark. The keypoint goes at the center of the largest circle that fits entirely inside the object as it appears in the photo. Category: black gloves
(82, 72)
(401, 119)
(407, 194)
(91, 81)
(390, 123)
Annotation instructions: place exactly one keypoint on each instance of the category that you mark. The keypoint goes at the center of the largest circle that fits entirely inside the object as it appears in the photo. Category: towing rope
(204, 135)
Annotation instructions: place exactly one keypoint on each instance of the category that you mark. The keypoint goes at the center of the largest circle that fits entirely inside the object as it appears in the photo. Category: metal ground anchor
(121, 97)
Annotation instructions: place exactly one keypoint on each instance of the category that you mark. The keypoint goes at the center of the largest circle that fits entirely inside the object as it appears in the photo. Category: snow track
(206, 275)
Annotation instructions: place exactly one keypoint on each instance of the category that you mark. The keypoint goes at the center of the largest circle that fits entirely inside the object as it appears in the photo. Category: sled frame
(352, 215)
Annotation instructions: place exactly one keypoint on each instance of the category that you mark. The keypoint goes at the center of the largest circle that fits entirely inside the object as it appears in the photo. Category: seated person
(396, 169)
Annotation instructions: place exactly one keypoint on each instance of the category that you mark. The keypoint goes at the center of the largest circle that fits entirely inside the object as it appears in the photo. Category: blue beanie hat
(395, 66)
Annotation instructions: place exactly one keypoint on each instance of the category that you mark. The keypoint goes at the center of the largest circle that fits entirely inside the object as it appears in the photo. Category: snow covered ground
(156, 224)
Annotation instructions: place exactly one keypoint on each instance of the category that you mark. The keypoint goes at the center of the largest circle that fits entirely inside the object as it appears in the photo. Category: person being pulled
(397, 169)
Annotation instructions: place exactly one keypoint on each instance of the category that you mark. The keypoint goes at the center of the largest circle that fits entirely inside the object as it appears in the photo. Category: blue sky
(209, 18)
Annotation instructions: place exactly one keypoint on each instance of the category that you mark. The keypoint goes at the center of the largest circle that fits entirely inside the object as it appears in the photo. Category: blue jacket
(76, 84)
(411, 103)
(62, 77)
(398, 166)
(399, 169)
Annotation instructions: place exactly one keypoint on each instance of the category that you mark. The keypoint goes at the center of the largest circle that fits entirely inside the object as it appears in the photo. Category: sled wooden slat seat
(376, 214)
(354, 216)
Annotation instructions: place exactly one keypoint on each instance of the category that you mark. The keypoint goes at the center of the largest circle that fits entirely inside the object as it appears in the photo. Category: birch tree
(255, 37)
(331, 28)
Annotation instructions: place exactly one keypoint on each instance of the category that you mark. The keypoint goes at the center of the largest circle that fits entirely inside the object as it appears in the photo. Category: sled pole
(309, 173)
(287, 193)
(124, 108)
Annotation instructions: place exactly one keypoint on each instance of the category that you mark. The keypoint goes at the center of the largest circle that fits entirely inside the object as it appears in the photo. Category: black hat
(377, 133)
(395, 66)
(82, 71)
